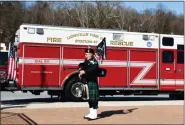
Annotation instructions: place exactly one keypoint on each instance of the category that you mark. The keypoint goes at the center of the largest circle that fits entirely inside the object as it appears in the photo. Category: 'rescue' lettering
(121, 43)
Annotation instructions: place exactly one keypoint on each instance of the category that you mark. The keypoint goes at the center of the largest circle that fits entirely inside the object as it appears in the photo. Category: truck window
(145, 37)
(117, 36)
(180, 57)
(180, 47)
(167, 56)
(4, 58)
(167, 41)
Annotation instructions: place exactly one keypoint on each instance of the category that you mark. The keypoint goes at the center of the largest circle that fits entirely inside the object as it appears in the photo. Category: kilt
(93, 90)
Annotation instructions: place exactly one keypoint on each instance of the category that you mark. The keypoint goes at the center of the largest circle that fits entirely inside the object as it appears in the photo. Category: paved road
(28, 100)
(20, 95)
(7, 95)
(16, 106)
(108, 115)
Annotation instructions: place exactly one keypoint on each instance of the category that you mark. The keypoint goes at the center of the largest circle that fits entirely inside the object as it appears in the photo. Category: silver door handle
(179, 70)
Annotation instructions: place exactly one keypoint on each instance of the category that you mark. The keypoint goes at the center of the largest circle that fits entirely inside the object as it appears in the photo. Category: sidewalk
(108, 115)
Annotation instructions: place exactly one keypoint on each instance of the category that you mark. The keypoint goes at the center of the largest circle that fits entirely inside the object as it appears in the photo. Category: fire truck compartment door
(41, 66)
(180, 67)
(143, 68)
(168, 64)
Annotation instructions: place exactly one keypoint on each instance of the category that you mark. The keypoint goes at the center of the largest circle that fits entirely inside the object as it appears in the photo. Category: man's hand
(81, 73)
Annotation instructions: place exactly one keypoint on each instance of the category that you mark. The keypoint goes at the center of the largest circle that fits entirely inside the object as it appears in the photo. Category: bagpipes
(85, 90)
(100, 56)
(101, 72)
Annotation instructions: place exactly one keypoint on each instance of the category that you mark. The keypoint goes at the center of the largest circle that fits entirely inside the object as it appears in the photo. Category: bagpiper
(89, 72)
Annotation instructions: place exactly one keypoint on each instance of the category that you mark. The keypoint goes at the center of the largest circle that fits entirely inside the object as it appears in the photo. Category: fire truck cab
(137, 63)
(3, 64)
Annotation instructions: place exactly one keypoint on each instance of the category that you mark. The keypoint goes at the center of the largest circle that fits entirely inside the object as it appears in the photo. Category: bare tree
(111, 15)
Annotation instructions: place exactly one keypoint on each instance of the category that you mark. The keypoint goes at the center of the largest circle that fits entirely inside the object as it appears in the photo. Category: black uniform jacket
(91, 69)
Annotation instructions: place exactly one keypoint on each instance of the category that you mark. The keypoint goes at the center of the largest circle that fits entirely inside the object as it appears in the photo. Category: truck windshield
(3, 58)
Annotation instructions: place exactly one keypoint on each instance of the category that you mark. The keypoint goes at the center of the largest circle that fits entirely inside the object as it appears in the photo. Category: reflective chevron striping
(146, 65)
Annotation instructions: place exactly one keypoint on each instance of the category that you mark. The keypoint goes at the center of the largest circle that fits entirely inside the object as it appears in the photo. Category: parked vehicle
(3, 65)
(47, 59)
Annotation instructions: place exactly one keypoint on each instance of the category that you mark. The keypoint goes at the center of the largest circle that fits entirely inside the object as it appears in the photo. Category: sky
(175, 6)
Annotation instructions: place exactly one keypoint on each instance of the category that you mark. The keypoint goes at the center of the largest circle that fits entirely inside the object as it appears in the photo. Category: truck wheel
(180, 97)
(73, 89)
(3, 85)
(172, 96)
(176, 96)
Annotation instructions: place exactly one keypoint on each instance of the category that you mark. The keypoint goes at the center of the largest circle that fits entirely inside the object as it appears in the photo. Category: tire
(3, 85)
(180, 96)
(172, 96)
(72, 89)
(177, 96)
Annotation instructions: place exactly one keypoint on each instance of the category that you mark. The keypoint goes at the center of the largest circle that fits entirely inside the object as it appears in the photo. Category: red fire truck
(47, 59)
(3, 64)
